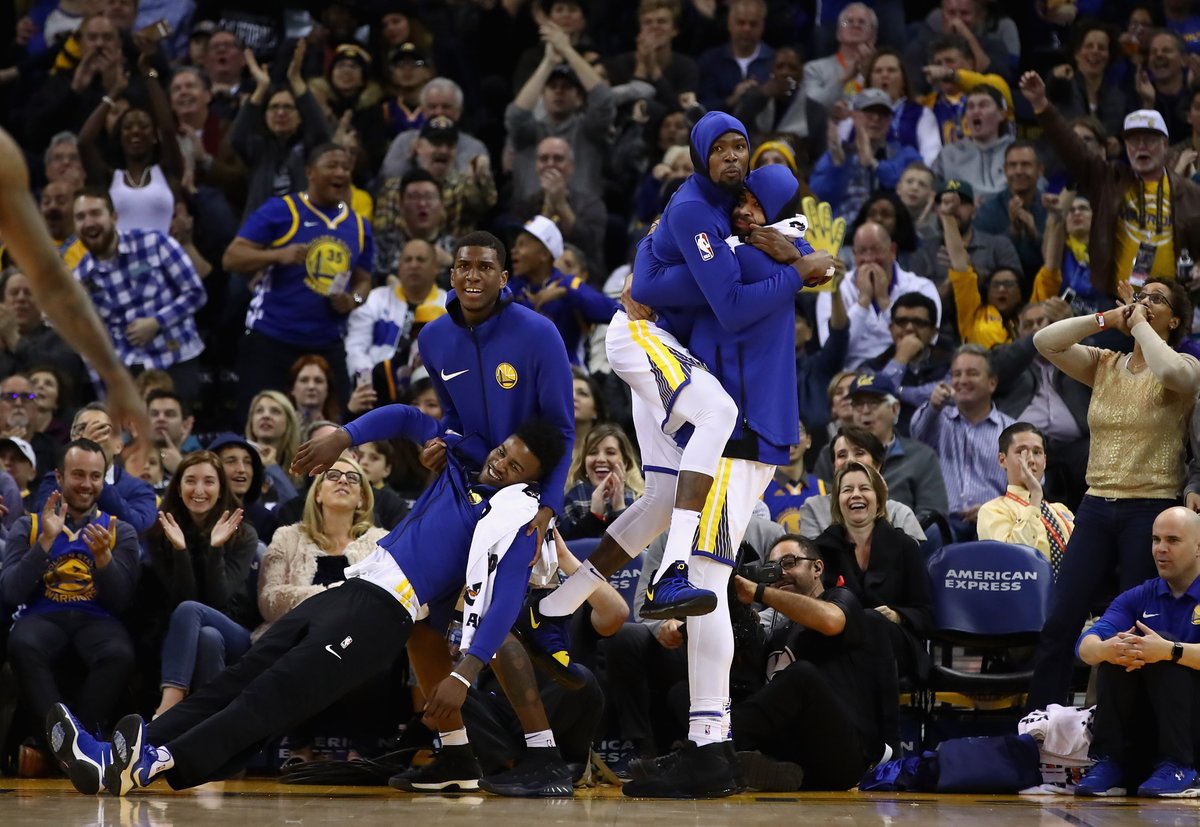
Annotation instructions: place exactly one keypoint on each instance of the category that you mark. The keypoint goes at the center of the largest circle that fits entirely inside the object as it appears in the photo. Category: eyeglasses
(911, 321)
(854, 22)
(789, 561)
(866, 403)
(1009, 284)
(1157, 299)
(18, 397)
(352, 477)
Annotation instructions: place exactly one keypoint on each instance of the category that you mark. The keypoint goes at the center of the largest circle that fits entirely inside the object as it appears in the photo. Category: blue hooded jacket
(692, 233)
(757, 364)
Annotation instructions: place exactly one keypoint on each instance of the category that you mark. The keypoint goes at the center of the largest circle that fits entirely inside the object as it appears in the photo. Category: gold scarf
(1079, 249)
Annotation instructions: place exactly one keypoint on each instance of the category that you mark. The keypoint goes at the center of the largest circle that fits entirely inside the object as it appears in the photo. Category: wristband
(459, 677)
(107, 101)
(758, 593)
(1100, 320)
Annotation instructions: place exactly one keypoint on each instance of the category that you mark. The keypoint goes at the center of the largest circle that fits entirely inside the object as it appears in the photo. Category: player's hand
(821, 267)
(128, 413)
(433, 455)
(635, 310)
(447, 699)
(317, 455)
(539, 524)
(773, 243)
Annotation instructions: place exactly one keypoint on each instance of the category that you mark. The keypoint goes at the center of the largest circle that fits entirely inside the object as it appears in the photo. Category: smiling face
(95, 224)
(1166, 59)
(345, 494)
(189, 98)
(845, 451)
(972, 380)
(857, 500)
(137, 134)
(1027, 446)
(436, 157)
(239, 469)
(311, 388)
(509, 463)
(200, 489)
(81, 479)
(1092, 55)
(604, 458)
(728, 160)
(329, 177)
(346, 77)
(477, 278)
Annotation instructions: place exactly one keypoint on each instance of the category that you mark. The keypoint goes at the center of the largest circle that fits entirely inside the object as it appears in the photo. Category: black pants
(37, 645)
(1146, 716)
(640, 671)
(496, 734)
(322, 649)
(1111, 540)
(263, 364)
(799, 717)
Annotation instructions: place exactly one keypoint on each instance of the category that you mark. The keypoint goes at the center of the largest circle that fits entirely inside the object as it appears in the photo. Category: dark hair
(385, 448)
(807, 546)
(416, 175)
(1021, 144)
(482, 238)
(1086, 26)
(6, 275)
(172, 501)
(544, 441)
(1091, 124)
(82, 444)
(863, 439)
(583, 376)
(1007, 435)
(1181, 308)
(159, 393)
(971, 349)
(905, 236)
(886, 51)
(419, 387)
(320, 150)
(950, 41)
(914, 300)
(66, 388)
(92, 191)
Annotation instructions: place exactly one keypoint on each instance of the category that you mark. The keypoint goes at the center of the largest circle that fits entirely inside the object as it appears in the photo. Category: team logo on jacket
(706, 250)
(474, 498)
(506, 376)
(1196, 616)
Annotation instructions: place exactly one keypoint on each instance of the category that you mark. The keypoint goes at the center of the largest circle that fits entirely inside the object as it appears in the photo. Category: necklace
(143, 181)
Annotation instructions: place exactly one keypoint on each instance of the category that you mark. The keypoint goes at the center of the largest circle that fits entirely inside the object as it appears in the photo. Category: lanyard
(1158, 218)
(1051, 528)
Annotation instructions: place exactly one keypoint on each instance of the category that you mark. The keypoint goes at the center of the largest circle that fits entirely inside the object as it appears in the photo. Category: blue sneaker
(134, 762)
(83, 757)
(1104, 778)
(1170, 780)
(548, 641)
(674, 596)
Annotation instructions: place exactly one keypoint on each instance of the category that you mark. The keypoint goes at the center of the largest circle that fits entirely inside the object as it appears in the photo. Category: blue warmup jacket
(755, 362)
(433, 542)
(571, 314)
(494, 377)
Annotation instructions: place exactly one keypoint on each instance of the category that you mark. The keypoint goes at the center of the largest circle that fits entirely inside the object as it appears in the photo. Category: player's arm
(507, 596)
(388, 422)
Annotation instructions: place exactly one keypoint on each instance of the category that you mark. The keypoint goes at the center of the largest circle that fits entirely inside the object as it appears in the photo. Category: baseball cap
(408, 51)
(964, 189)
(868, 98)
(440, 130)
(21, 445)
(547, 232)
(564, 72)
(1146, 120)
(874, 384)
(354, 52)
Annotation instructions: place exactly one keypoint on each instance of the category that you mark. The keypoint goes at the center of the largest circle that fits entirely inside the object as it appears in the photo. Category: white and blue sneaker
(134, 762)
(83, 757)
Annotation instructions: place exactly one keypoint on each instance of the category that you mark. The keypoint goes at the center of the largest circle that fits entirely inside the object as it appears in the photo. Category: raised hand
(225, 528)
(1034, 90)
(99, 541)
(317, 455)
(172, 531)
(52, 520)
(294, 76)
(1031, 482)
(942, 394)
(260, 72)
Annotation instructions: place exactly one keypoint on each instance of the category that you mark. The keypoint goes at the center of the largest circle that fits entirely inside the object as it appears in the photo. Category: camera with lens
(767, 573)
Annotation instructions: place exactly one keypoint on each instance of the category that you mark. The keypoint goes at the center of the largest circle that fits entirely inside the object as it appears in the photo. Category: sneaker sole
(635, 789)
(555, 789)
(86, 775)
(687, 608)
(1190, 792)
(118, 778)
(464, 785)
(1111, 792)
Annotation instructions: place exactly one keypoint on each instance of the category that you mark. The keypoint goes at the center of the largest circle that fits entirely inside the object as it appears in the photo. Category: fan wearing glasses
(816, 724)
(1138, 415)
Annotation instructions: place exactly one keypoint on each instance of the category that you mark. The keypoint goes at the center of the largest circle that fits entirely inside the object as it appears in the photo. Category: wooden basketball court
(261, 803)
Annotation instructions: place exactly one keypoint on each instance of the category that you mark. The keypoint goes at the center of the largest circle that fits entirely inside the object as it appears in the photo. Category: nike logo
(1148, 614)
(650, 594)
(446, 377)
(533, 621)
(310, 223)
(329, 649)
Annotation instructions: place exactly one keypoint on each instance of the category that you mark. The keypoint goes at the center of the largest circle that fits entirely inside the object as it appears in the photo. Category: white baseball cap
(24, 447)
(1146, 119)
(547, 232)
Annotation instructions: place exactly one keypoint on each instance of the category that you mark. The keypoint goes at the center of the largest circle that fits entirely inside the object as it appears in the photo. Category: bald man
(1147, 647)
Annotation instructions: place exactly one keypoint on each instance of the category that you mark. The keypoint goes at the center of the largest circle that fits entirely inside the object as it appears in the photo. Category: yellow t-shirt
(1139, 222)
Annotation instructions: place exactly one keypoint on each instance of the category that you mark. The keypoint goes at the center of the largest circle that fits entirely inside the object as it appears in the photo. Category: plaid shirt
(151, 277)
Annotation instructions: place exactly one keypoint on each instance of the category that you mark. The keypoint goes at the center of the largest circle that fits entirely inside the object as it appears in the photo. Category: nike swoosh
(329, 649)
(533, 622)
(1147, 614)
(446, 377)
(650, 594)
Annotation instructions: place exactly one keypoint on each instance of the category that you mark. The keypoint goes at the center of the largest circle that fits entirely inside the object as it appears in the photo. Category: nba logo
(706, 250)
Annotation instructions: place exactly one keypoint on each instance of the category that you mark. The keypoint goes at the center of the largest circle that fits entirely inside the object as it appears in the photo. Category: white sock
(542, 738)
(680, 541)
(162, 762)
(710, 654)
(574, 591)
(457, 738)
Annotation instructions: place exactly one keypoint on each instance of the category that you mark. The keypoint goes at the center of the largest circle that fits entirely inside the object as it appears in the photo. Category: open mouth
(472, 291)
(857, 506)
(491, 473)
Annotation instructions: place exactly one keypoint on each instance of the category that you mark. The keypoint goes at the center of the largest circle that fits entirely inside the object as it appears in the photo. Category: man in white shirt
(868, 291)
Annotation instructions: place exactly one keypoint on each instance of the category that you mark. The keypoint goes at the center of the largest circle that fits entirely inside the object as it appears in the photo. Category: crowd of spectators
(264, 206)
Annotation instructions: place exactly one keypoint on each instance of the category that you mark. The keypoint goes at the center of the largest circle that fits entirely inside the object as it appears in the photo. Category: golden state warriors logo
(1196, 616)
(328, 257)
(789, 518)
(474, 498)
(506, 376)
(70, 579)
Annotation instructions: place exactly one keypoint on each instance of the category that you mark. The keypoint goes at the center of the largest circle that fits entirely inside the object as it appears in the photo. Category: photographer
(829, 704)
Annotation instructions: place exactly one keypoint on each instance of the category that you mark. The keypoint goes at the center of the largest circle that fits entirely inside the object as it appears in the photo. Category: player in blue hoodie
(334, 641)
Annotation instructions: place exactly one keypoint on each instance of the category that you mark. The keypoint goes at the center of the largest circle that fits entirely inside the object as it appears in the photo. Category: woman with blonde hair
(273, 427)
(879, 563)
(603, 481)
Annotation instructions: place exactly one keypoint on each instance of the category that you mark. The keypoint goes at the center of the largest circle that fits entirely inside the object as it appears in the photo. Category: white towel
(1064, 732)
(793, 228)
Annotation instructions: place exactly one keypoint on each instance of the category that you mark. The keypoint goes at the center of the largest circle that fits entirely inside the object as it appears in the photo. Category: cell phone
(362, 377)
(1069, 295)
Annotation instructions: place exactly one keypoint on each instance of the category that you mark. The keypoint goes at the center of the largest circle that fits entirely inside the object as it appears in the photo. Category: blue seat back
(989, 588)
(624, 580)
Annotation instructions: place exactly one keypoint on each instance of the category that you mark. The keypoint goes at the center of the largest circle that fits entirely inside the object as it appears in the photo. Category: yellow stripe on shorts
(662, 358)
(714, 508)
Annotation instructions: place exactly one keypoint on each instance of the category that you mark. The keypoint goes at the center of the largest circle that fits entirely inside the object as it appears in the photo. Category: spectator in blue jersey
(145, 289)
(792, 485)
(316, 254)
(867, 161)
(566, 300)
(334, 641)
(71, 571)
(124, 495)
